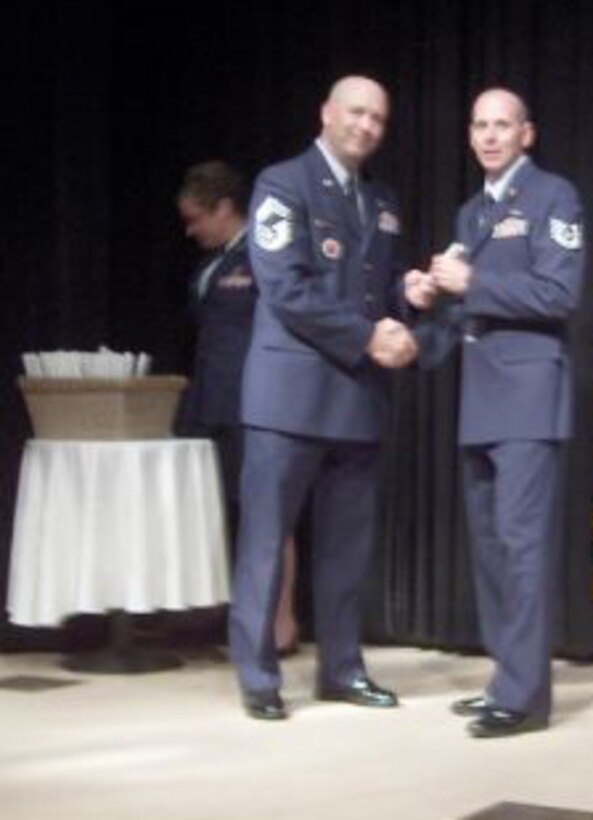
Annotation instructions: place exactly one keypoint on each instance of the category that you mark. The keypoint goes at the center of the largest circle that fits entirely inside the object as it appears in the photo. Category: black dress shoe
(470, 707)
(265, 705)
(361, 692)
(497, 722)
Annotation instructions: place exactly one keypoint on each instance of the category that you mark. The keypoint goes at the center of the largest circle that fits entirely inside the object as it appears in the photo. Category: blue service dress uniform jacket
(324, 280)
(222, 296)
(528, 260)
(222, 312)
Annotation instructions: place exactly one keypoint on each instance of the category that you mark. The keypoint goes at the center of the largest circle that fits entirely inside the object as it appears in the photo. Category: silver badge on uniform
(273, 225)
(388, 222)
(567, 234)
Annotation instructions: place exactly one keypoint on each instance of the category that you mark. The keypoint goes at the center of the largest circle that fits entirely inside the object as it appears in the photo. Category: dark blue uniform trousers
(278, 472)
(512, 499)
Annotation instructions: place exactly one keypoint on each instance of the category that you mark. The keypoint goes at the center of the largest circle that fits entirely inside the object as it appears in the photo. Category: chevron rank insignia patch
(273, 225)
(567, 234)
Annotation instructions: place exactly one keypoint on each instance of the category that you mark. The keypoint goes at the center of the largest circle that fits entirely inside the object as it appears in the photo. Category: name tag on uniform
(510, 227)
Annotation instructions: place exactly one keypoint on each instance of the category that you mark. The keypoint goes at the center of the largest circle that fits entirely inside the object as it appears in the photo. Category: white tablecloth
(132, 525)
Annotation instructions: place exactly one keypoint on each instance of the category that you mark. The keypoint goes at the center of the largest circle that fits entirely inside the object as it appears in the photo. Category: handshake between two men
(392, 344)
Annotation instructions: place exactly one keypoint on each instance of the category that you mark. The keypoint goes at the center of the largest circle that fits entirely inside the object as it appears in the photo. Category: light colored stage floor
(176, 746)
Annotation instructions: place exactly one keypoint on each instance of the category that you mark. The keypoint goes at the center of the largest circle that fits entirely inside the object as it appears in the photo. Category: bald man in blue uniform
(514, 277)
(324, 250)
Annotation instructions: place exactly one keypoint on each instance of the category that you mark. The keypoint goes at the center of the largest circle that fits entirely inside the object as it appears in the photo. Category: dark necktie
(353, 199)
(486, 209)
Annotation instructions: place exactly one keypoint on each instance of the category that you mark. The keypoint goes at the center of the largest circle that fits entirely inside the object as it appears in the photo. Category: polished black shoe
(361, 692)
(497, 722)
(470, 707)
(265, 705)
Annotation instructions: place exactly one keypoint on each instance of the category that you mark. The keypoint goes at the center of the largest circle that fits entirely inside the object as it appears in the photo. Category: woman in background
(222, 293)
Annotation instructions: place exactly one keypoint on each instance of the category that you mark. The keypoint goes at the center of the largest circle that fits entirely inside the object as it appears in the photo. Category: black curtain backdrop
(106, 103)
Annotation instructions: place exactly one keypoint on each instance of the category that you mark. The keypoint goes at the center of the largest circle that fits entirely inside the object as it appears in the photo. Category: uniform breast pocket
(512, 227)
(509, 237)
(328, 242)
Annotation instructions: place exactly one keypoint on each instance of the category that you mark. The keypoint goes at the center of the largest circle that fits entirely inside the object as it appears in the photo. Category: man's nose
(369, 124)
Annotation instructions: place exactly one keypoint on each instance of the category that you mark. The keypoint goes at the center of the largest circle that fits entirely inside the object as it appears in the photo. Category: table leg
(121, 656)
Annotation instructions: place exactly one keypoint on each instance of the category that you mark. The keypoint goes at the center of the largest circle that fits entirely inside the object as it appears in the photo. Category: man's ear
(528, 134)
(326, 113)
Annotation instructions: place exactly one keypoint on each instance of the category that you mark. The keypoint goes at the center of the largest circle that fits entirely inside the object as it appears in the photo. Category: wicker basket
(135, 408)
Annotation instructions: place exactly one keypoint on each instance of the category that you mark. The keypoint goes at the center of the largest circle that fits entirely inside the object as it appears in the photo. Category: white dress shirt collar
(498, 188)
(236, 238)
(341, 173)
